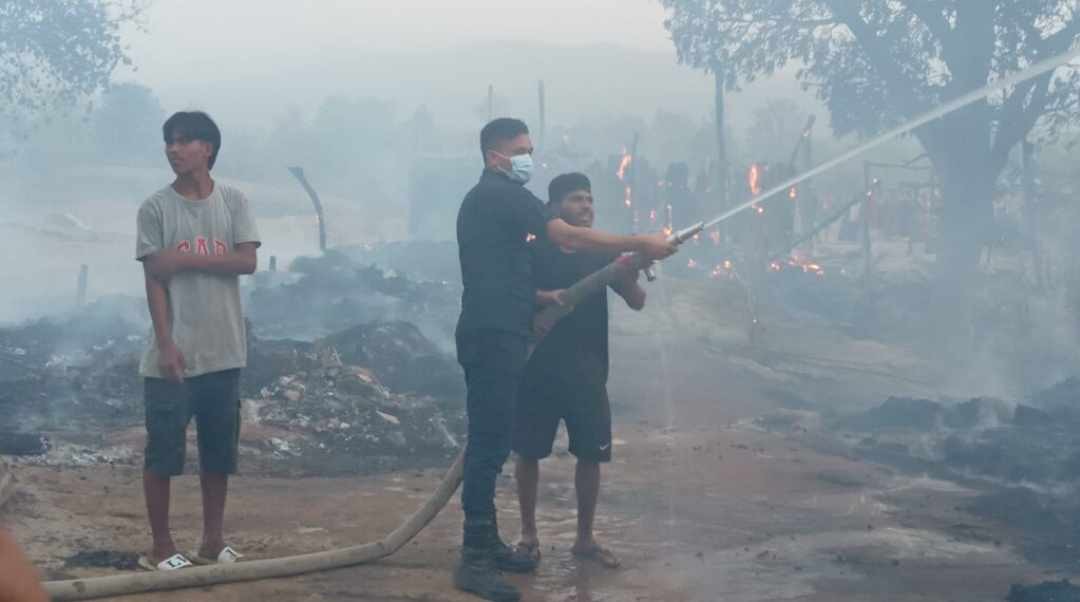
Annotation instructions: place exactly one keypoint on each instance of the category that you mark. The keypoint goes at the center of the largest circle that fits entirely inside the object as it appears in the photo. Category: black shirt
(495, 219)
(576, 350)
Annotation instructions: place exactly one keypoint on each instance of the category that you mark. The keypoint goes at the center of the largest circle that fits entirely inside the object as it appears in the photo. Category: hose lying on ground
(100, 587)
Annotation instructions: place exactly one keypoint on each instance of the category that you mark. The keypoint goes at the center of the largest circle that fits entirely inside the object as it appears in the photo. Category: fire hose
(99, 587)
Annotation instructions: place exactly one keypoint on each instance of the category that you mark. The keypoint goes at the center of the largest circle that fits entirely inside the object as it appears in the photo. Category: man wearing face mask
(495, 220)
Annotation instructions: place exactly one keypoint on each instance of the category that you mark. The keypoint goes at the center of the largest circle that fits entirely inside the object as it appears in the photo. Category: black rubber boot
(476, 574)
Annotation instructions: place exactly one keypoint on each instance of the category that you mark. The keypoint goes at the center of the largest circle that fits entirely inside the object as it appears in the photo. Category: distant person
(195, 237)
(566, 376)
(498, 302)
(19, 580)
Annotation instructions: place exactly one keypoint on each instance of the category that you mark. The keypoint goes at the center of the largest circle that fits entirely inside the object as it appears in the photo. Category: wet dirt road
(696, 515)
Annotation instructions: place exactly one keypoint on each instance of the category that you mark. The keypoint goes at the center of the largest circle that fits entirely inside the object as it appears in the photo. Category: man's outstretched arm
(165, 264)
(652, 246)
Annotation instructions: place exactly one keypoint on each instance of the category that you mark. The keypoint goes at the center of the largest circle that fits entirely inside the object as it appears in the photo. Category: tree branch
(899, 85)
(933, 20)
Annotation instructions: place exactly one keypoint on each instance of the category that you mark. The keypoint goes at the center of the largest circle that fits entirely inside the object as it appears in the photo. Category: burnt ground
(745, 470)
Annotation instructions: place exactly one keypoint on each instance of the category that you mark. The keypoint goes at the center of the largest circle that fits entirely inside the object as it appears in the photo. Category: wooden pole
(721, 147)
(491, 102)
(80, 295)
(867, 206)
(543, 114)
(298, 173)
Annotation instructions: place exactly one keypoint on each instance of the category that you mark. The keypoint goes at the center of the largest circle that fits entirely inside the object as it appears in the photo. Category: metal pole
(298, 173)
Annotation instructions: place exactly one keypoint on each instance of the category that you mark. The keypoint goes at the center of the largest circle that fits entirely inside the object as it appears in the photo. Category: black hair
(500, 130)
(565, 184)
(195, 125)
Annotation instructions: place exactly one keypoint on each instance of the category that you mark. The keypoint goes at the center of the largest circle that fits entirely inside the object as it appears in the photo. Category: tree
(55, 52)
(876, 63)
(127, 123)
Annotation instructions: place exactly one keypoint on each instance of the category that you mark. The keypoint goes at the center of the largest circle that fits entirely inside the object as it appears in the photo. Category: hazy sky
(180, 31)
(250, 60)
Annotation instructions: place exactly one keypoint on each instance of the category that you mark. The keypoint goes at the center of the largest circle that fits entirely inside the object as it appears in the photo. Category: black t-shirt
(576, 350)
(493, 224)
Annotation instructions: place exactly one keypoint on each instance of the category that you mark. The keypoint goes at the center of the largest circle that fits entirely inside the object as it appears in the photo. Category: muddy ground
(704, 500)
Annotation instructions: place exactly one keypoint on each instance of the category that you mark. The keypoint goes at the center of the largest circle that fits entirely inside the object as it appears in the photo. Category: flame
(806, 265)
(627, 197)
(691, 264)
(715, 236)
(759, 209)
(624, 164)
(652, 215)
(723, 269)
(753, 179)
(775, 266)
(793, 193)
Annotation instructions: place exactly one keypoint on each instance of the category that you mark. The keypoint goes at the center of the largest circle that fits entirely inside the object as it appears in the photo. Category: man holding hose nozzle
(494, 222)
(566, 376)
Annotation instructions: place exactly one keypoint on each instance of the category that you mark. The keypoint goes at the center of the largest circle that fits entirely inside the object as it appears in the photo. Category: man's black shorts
(214, 400)
(585, 409)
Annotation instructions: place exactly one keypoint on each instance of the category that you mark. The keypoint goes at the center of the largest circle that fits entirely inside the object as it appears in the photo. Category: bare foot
(529, 545)
(211, 550)
(595, 552)
(162, 550)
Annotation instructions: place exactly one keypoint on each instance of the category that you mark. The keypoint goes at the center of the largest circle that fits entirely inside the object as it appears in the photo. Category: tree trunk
(968, 216)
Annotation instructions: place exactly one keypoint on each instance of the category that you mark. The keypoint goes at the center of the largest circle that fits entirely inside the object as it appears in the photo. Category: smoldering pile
(373, 393)
(1021, 459)
(326, 294)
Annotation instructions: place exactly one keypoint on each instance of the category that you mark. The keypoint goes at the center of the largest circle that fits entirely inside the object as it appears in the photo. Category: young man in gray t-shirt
(195, 237)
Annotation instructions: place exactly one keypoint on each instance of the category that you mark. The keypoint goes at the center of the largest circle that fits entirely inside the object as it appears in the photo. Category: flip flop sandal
(227, 555)
(172, 563)
(532, 550)
(598, 554)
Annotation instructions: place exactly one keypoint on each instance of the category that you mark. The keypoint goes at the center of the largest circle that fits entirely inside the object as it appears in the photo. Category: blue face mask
(521, 168)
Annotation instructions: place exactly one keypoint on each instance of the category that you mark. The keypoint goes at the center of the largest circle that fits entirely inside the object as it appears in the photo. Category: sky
(253, 59)
(266, 29)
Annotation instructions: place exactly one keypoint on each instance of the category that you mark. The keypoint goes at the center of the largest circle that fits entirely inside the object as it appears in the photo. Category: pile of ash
(1031, 442)
(423, 260)
(371, 397)
(374, 397)
(334, 292)
(77, 370)
(1022, 458)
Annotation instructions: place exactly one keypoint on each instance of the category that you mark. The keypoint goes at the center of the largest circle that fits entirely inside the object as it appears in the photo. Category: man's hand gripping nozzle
(677, 238)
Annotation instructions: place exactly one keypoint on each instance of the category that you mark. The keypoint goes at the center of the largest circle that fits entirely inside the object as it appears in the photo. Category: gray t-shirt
(207, 318)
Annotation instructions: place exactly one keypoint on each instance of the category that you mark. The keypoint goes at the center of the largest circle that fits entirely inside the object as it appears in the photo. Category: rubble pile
(78, 370)
(423, 260)
(1023, 457)
(987, 438)
(332, 292)
(374, 396)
